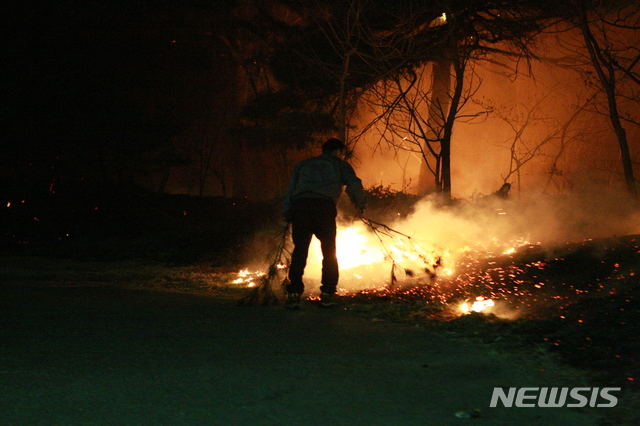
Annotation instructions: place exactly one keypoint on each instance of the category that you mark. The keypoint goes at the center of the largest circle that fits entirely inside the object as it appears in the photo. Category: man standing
(310, 206)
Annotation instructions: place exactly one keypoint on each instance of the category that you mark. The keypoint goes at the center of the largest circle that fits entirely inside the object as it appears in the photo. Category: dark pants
(309, 217)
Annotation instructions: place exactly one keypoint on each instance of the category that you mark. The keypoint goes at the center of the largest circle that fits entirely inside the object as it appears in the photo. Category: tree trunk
(459, 66)
(342, 100)
(608, 82)
(438, 110)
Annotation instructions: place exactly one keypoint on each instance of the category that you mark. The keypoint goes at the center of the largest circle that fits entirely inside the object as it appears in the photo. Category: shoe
(293, 301)
(327, 300)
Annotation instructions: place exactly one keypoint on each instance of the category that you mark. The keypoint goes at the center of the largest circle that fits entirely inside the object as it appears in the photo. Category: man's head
(332, 146)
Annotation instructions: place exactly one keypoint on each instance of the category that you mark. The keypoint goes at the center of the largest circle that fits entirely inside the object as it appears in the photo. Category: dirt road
(94, 355)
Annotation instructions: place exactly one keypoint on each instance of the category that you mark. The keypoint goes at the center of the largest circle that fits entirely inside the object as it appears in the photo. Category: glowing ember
(479, 305)
(247, 278)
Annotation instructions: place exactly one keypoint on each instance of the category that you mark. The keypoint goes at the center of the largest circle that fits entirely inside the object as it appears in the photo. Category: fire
(479, 305)
(436, 259)
(434, 255)
(353, 248)
(247, 278)
(366, 259)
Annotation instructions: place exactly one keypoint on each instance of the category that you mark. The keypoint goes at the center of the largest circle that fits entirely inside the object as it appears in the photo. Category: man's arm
(354, 188)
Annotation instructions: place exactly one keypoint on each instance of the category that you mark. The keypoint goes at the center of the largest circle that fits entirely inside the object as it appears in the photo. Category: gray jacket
(323, 177)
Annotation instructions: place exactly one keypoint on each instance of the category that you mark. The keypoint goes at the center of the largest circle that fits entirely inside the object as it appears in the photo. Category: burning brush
(430, 267)
(263, 292)
(280, 261)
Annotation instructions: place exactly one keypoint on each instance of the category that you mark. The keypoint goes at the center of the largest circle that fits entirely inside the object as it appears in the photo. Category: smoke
(477, 228)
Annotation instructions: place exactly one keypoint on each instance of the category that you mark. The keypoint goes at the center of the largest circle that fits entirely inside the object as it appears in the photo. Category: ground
(116, 308)
(83, 352)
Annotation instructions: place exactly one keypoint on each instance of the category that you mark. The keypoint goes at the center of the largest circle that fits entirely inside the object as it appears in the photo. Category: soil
(87, 354)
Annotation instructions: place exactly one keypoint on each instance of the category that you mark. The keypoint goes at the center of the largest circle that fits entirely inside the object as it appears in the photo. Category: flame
(366, 259)
(444, 259)
(353, 248)
(247, 278)
(479, 305)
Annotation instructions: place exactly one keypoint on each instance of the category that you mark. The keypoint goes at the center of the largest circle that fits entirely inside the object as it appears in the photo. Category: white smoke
(487, 226)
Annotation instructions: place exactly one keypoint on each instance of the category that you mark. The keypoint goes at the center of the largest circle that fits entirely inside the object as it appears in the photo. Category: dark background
(99, 91)
(97, 98)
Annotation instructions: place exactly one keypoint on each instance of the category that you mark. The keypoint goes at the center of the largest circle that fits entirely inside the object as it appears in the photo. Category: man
(310, 206)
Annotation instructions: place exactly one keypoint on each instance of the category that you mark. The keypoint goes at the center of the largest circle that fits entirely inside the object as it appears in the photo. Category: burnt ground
(102, 354)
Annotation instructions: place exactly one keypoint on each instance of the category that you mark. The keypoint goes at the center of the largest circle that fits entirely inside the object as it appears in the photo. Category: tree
(471, 31)
(475, 30)
(523, 147)
(414, 118)
(610, 31)
(206, 156)
(329, 54)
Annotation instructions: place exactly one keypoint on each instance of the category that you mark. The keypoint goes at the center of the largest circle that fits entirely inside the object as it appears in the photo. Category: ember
(248, 278)
(446, 264)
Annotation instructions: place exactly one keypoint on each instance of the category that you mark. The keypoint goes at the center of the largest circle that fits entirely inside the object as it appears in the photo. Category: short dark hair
(332, 144)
